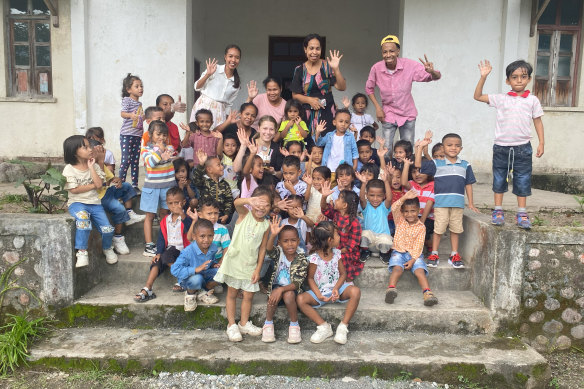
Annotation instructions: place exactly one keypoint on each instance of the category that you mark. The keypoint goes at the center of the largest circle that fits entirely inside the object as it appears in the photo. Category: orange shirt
(408, 237)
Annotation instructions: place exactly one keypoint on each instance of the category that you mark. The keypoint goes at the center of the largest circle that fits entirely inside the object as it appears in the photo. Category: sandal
(176, 288)
(144, 295)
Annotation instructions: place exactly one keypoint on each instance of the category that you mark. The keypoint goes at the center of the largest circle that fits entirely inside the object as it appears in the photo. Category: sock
(150, 243)
(118, 236)
(521, 210)
(426, 290)
(294, 324)
(268, 322)
(454, 252)
(391, 286)
(128, 210)
(498, 207)
(434, 252)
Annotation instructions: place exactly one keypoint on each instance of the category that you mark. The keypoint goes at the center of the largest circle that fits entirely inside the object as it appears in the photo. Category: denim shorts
(399, 259)
(516, 160)
(152, 199)
(321, 303)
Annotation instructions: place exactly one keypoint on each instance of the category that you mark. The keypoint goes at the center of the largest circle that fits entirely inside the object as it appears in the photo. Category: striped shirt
(450, 181)
(514, 117)
(408, 237)
(425, 194)
(129, 126)
(159, 173)
(221, 239)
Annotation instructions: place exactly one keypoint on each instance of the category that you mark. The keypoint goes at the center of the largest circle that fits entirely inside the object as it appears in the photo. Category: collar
(221, 69)
(210, 251)
(514, 94)
(178, 219)
(447, 161)
(398, 66)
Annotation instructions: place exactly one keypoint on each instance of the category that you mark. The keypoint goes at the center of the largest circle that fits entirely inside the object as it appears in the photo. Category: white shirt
(515, 116)
(173, 231)
(218, 87)
(337, 152)
(109, 158)
(360, 121)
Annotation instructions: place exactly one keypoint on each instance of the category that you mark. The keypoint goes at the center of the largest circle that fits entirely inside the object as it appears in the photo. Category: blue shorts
(321, 303)
(399, 259)
(152, 199)
(515, 159)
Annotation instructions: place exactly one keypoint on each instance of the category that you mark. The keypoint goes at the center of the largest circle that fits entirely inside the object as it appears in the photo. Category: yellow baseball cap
(390, 39)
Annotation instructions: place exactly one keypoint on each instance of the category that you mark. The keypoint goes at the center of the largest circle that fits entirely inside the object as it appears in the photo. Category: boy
(209, 210)
(407, 248)
(208, 178)
(157, 156)
(515, 111)
(211, 142)
(368, 134)
(287, 279)
(339, 145)
(314, 158)
(151, 114)
(452, 176)
(365, 153)
(196, 266)
(291, 183)
(172, 239)
(375, 200)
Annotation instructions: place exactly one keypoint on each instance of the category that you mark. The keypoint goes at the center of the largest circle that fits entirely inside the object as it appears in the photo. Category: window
(558, 50)
(29, 49)
(285, 53)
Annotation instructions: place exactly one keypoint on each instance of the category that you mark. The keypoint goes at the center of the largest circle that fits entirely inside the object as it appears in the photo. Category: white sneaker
(268, 333)
(82, 258)
(233, 333)
(120, 246)
(207, 297)
(134, 218)
(218, 289)
(341, 335)
(249, 329)
(110, 256)
(190, 302)
(322, 332)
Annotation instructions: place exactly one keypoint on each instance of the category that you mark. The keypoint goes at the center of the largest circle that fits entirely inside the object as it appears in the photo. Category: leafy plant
(12, 199)
(7, 283)
(580, 200)
(468, 384)
(374, 374)
(576, 223)
(404, 376)
(47, 193)
(15, 338)
(537, 221)
(554, 383)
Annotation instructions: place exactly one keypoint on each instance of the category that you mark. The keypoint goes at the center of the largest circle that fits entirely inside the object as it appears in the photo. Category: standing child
(230, 148)
(407, 248)
(396, 193)
(286, 280)
(208, 178)
(84, 178)
(291, 182)
(157, 156)
(150, 114)
(313, 195)
(292, 127)
(359, 118)
(241, 265)
(326, 279)
(343, 213)
(339, 146)
(368, 134)
(131, 131)
(512, 151)
(184, 183)
(211, 142)
(252, 170)
(452, 177)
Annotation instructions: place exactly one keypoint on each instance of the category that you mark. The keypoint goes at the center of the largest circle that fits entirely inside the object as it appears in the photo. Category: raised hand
(184, 127)
(192, 214)
(284, 152)
(201, 156)
(252, 146)
(408, 162)
(252, 89)
(410, 194)
(179, 106)
(428, 66)
(334, 58)
(233, 117)
(326, 189)
(211, 66)
(258, 202)
(284, 205)
(307, 177)
(383, 174)
(346, 102)
(166, 155)
(90, 162)
(428, 135)
(485, 68)
(390, 169)
(416, 144)
(217, 134)
(275, 226)
(304, 156)
(321, 126)
(361, 177)
(242, 136)
(296, 212)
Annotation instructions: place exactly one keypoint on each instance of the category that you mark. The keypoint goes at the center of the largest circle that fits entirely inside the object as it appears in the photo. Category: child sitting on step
(172, 239)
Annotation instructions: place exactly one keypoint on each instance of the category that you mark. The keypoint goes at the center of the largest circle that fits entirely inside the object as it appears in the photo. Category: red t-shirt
(173, 135)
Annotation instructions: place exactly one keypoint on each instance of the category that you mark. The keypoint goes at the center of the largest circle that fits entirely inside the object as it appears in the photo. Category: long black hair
(236, 79)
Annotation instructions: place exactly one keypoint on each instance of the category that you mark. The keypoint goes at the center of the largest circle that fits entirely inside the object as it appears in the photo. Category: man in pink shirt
(394, 76)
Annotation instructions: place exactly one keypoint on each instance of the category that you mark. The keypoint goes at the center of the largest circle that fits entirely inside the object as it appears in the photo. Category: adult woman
(313, 81)
(269, 103)
(243, 119)
(219, 86)
(394, 77)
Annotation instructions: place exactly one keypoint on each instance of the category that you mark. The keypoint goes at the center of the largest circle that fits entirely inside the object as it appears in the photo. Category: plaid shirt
(408, 237)
(350, 233)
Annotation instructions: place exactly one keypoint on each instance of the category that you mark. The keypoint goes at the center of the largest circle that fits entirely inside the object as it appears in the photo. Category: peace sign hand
(334, 59)
(428, 66)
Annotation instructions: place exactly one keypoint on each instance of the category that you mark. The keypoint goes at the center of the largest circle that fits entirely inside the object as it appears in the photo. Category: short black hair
(415, 201)
(208, 202)
(149, 112)
(243, 106)
(324, 171)
(291, 160)
(436, 147)
(296, 198)
(519, 64)
(451, 135)
(406, 145)
(203, 223)
(342, 110)
(203, 111)
(269, 79)
(175, 191)
(376, 183)
(294, 142)
(161, 96)
(70, 147)
(288, 227)
(369, 130)
(310, 37)
(371, 168)
(358, 95)
(313, 146)
(362, 143)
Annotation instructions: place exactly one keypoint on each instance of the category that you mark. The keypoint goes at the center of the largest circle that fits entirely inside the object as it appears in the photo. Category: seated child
(365, 153)
(326, 279)
(339, 146)
(291, 182)
(287, 279)
(345, 177)
(293, 126)
(97, 134)
(313, 195)
(297, 219)
(210, 142)
(183, 181)
(407, 248)
(375, 200)
(196, 266)
(401, 150)
(343, 213)
(230, 150)
(396, 193)
(368, 134)
(172, 239)
(369, 171)
(208, 178)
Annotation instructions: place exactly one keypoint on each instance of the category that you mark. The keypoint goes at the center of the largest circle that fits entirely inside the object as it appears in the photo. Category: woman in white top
(219, 86)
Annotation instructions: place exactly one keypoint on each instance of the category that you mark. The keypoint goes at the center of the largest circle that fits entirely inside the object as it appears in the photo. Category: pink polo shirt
(396, 89)
(208, 144)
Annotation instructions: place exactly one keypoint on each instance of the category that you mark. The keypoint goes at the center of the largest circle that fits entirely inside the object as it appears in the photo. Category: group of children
(304, 220)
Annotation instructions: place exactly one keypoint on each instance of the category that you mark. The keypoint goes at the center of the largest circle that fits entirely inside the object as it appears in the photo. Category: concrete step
(482, 360)
(111, 304)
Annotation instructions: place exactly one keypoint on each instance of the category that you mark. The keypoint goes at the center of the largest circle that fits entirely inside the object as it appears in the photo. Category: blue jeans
(517, 161)
(112, 205)
(399, 259)
(406, 132)
(84, 215)
(199, 280)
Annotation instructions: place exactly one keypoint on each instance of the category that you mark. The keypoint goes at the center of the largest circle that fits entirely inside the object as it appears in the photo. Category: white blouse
(218, 87)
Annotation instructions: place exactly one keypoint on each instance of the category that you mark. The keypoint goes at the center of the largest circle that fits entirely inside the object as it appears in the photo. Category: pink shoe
(294, 334)
(268, 333)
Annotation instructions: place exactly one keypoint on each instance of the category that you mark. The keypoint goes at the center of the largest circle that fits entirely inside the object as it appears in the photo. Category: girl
(96, 133)
(343, 213)
(131, 131)
(84, 178)
(211, 142)
(181, 175)
(240, 268)
(243, 119)
(219, 86)
(294, 127)
(313, 193)
(231, 145)
(345, 177)
(252, 171)
(359, 118)
(326, 278)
